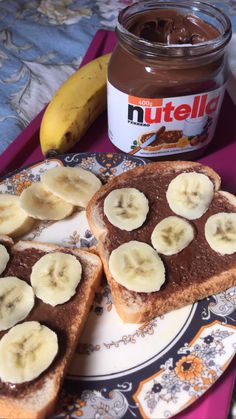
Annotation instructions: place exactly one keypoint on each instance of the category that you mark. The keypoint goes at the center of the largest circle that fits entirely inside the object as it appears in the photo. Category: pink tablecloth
(221, 156)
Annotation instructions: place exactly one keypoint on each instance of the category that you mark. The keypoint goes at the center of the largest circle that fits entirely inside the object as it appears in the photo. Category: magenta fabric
(221, 156)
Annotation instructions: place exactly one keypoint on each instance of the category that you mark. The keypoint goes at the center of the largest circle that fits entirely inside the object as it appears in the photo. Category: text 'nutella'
(166, 78)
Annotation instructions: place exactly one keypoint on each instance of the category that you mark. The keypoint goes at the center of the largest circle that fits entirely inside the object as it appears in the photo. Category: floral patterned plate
(153, 370)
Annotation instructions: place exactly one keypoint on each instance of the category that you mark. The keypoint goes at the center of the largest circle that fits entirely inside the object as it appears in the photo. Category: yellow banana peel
(74, 107)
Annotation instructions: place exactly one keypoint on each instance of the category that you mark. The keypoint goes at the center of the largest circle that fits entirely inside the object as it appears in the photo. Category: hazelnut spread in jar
(166, 78)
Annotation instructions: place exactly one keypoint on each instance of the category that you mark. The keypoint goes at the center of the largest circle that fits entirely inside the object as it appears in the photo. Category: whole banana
(74, 107)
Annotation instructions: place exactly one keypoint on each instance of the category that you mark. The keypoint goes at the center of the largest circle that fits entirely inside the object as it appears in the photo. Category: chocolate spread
(197, 262)
(166, 137)
(57, 318)
(168, 26)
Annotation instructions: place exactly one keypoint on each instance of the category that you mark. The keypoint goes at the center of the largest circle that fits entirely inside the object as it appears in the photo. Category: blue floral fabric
(41, 43)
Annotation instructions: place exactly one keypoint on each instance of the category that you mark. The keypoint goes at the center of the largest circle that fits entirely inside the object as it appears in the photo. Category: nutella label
(162, 126)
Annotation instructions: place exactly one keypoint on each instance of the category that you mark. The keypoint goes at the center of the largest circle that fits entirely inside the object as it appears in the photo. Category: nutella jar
(166, 78)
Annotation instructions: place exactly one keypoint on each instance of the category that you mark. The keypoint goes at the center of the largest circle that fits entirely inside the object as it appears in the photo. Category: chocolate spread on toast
(197, 262)
(57, 318)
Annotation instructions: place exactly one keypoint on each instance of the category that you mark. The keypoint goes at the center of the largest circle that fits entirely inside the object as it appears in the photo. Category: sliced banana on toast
(190, 194)
(172, 235)
(137, 266)
(16, 301)
(55, 276)
(126, 208)
(14, 221)
(72, 184)
(4, 258)
(27, 350)
(41, 204)
(220, 232)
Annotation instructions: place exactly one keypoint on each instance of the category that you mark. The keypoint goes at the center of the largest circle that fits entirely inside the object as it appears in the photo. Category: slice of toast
(194, 273)
(37, 398)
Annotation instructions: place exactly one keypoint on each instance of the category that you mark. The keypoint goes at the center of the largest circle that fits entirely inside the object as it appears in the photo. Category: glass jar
(164, 95)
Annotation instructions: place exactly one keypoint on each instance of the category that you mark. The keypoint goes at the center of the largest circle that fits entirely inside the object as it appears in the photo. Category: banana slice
(16, 301)
(190, 194)
(14, 221)
(55, 277)
(126, 208)
(27, 350)
(220, 232)
(172, 235)
(137, 266)
(4, 258)
(41, 204)
(73, 184)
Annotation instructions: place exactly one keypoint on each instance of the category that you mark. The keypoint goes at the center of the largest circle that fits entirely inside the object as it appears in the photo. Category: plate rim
(62, 158)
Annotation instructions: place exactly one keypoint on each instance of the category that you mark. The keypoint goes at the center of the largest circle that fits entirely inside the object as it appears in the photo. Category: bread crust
(40, 403)
(131, 308)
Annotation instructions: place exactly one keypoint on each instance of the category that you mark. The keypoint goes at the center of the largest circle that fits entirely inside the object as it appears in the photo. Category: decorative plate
(153, 370)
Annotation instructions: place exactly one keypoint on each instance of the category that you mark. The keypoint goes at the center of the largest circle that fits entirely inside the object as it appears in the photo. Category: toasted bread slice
(37, 398)
(194, 273)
